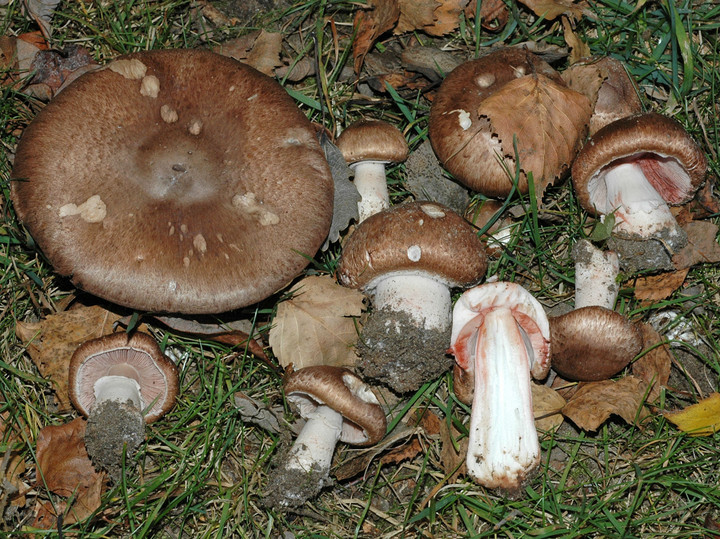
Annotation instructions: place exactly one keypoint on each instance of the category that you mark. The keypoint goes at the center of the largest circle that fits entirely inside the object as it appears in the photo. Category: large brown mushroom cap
(141, 359)
(344, 392)
(592, 343)
(178, 181)
(672, 161)
(419, 237)
(373, 140)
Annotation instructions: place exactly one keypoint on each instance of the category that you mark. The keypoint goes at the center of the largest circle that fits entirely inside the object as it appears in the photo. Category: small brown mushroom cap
(674, 164)
(138, 357)
(344, 392)
(424, 238)
(174, 181)
(592, 343)
(373, 140)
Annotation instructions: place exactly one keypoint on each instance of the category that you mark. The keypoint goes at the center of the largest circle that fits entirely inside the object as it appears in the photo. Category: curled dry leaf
(653, 367)
(52, 341)
(42, 11)
(65, 468)
(700, 419)
(594, 402)
(370, 24)
(317, 325)
(578, 48)
(548, 120)
(656, 287)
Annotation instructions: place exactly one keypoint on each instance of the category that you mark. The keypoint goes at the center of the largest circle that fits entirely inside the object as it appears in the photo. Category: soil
(396, 352)
(650, 254)
(291, 488)
(113, 428)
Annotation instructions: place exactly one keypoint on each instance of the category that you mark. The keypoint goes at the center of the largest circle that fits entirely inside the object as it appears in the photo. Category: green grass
(202, 471)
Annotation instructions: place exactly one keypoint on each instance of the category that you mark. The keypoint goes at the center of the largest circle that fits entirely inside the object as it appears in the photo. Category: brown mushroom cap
(675, 164)
(139, 356)
(419, 237)
(177, 181)
(373, 140)
(592, 343)
(344, 392)
(467, 143)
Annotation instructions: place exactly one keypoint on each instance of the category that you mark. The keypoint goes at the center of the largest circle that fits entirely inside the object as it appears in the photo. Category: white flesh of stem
(119, 389)
(639, 208)
(503, 443)
(595, 279)
(426, 300)
(315, 445)
(371, 184)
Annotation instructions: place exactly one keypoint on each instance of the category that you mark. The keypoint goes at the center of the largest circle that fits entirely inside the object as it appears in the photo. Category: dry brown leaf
(407, 451)
(415, 15)
(654, 366)
(370, 24)
(42, 11)
(452, 451)
(547, 407)
(701, 247)
(656, 287)
(317, 325)
(578, 48)
(447, 17)
(259, 49)
(595, 402)
(551, 9)
(52, 341)
(65, 468)
(548, 120)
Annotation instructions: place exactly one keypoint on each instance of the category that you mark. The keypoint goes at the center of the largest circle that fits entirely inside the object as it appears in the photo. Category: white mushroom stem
(503, 443)
(371, 183)
(423, 298)
(119, 389)
(314, 447)
(639, 208)
(596, 274)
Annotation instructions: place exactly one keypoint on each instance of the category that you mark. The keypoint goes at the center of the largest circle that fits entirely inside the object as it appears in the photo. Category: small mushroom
(120, 382)
(407, 258)
(337, 406)
(636, 166)
(500, 337)
(367, 146)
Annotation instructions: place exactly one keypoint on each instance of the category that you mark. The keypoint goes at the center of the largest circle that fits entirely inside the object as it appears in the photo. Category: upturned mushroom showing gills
(500, 337)
(368, 146)
(175, 181)
(636, 166)
(120, 383)
(337, 406)
(407, 258)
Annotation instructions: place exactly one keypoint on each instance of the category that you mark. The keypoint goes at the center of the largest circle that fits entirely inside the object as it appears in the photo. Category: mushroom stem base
(315, 445)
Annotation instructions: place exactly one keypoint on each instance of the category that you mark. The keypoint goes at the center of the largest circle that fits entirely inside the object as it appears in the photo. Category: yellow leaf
(701, 419)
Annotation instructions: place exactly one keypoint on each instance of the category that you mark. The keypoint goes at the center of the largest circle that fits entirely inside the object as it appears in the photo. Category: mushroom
(367, 146)
(337, 406)
(407, 258)
(636, 166)
(175, 181)
(482, 109)
(596, 273)
(120, 382)
(500, 337)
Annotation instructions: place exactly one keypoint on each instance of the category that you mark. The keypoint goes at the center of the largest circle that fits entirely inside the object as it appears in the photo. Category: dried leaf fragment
(551, 9)
(370, 24)
(547, 407)
(699, 419)
(656, 287)
(654, 365)
(701, 247)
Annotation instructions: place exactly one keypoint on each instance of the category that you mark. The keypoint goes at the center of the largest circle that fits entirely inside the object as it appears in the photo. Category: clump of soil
(113, 429)
(292, 488)
(648, 254)
(396, 352)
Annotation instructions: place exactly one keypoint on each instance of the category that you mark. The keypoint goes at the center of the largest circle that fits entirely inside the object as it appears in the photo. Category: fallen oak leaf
(415, 15)
(699, 419)
(594, 402)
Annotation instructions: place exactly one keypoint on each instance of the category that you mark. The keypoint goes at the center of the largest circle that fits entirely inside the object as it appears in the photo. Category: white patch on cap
(220, 237)
(195, 127)
(464, 119)
(150, 86)
(183, 228)
(254, 96)
(485, 80)
(130, 69)
(93, 210)
(436, 212)
(200, 244)
(414, 253)
(172, 286)
(249, 204)
(186, 261)
(171, 231)
(168, 114)
(519, 71)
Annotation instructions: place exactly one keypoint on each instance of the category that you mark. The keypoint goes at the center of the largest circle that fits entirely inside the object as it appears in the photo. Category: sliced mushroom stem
(371, 183)
(119, 389)
(425, 299)
(640, 209)
(314, 447)
(596, 274)
(503, 443)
